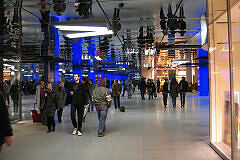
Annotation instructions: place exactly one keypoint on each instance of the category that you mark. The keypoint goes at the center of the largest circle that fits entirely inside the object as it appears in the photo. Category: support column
(189, 69)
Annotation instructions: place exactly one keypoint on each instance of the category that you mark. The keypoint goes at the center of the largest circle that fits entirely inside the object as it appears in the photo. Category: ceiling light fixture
(90, 34)
(81, 28)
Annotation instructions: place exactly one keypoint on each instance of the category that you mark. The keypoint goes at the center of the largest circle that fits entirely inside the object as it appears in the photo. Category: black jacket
(5, 126)
(50, 103)
(80, 94)
(142, 85)
(183, 86)
(165, 88)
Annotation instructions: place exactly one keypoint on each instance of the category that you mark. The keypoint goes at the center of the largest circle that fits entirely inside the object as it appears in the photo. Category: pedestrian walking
(142, 87)
(39, 97)
(116, 91)
(102, 101)
(183, 87)
(129, 87)
(165, 92)
(149, 88)
(79, 100)
(14, 92)
(61, 99)
(50, 106)
(91, 89)
(174, 89)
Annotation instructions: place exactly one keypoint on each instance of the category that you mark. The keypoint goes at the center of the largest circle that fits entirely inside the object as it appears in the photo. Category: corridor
(146, 131)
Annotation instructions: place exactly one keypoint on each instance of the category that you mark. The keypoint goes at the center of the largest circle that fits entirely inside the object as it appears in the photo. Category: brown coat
(116, 89)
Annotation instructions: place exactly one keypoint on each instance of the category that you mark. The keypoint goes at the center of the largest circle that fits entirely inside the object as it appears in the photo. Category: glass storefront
(224, 46)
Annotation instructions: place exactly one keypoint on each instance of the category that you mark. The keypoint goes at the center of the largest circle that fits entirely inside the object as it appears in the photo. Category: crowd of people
(173, 90)
(83, 96)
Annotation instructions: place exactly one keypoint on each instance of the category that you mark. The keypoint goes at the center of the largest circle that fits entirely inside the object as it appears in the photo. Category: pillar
(189, 69)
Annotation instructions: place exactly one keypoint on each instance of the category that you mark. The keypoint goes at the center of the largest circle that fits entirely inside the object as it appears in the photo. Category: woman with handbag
(102, 101)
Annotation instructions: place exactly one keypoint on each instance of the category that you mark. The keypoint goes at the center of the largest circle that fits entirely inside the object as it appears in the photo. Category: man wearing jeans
(79, 100)
(102, 101)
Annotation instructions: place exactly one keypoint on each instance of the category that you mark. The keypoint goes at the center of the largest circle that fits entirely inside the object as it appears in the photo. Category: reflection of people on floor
(14, 92)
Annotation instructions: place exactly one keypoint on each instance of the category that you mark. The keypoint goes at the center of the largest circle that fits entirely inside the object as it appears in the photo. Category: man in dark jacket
(142, 87)
(5, 126)
(183, 87)
(116, 91)
(79, 100)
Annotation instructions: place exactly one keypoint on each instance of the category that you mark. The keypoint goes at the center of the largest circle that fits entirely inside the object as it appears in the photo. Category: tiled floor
(146, 131)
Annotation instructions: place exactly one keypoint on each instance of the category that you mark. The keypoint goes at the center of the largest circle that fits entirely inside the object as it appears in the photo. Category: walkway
(146, 131)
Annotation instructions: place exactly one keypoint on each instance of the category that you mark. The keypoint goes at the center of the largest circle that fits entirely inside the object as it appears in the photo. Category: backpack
(122, 109)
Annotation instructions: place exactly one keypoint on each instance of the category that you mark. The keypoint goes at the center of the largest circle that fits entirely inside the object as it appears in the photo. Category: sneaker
(79, 133)
(100, 135)
(74, 131)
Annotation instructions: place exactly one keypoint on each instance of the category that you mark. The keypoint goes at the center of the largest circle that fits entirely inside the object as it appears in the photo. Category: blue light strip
(203, 77)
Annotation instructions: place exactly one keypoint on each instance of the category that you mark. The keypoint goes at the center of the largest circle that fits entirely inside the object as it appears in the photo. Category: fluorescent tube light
(81, 28)
(110, 70)
(89, 34)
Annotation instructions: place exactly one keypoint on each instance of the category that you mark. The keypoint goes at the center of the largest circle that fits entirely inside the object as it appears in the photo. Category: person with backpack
(183, 87)
(174, 89)
(102, 101)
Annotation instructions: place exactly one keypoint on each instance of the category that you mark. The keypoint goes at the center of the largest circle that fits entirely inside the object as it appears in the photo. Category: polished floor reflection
(146, 131)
